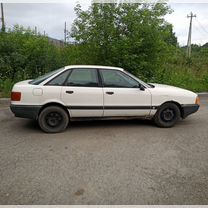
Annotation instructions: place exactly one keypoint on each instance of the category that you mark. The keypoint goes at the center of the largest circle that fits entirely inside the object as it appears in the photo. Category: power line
(201, 26)
(202, 36)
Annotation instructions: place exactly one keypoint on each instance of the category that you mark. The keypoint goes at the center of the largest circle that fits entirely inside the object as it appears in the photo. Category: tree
(133, 36)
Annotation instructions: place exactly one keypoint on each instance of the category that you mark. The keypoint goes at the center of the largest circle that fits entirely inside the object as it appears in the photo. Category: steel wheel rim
(53, 119)
(168, 115)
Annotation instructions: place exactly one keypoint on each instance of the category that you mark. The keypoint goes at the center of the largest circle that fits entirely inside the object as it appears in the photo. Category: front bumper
(25, 111)
(189, 109)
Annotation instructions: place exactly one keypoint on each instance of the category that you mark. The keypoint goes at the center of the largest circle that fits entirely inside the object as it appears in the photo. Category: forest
(135, 37)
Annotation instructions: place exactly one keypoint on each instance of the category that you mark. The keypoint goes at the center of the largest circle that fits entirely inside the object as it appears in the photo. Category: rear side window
(42, 78)
(83, 78)
(60, 79)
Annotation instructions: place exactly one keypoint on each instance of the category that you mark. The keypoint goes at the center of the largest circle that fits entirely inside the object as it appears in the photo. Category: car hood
(165, 86)
(166, 89)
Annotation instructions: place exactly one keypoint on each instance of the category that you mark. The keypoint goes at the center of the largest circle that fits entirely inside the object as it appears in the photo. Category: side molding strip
(112, 107)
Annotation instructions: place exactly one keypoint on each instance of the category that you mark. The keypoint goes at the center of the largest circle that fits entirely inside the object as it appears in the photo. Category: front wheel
(167, 115)
(53, 119)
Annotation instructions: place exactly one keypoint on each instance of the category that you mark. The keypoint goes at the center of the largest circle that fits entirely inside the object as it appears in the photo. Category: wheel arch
(174, 102)
(54, 104)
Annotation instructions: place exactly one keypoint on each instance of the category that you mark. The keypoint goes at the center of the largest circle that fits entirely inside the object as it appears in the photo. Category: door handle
(110, 93)
(69, 92)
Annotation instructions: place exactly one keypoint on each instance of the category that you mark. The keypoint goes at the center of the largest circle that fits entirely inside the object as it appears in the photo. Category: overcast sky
(51, 17)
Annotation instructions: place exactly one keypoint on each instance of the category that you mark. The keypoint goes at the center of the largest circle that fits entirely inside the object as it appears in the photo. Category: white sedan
(98, 92)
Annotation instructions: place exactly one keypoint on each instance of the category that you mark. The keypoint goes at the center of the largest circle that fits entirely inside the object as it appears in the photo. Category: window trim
(99, 78)
(100, 73)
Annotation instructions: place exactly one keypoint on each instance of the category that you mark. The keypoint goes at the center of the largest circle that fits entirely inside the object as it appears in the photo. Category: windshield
(140, 81)
(42, 78)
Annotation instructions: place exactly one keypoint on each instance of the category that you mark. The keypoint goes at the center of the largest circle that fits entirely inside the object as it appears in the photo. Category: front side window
(113, 78)
(83, 78)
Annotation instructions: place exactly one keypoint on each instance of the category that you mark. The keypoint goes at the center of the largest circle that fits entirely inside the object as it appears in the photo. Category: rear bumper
(189, 109)
(25, 111)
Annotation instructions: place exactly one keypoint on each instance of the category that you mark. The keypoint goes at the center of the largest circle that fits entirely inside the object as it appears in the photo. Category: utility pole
(3, 28)
(35, 30)
(189, 35)
(65, 32)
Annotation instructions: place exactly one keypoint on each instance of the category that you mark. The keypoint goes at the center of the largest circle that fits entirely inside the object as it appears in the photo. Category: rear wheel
(53, 119)
(167, 115)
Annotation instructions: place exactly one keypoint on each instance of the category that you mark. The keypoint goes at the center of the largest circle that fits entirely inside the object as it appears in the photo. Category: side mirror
(141, 87)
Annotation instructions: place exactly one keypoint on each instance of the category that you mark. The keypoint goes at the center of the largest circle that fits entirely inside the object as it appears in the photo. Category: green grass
(5, 88)
(189, 82)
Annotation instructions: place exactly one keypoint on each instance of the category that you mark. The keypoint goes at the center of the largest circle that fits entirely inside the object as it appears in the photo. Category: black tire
(167, 115)
(53, 119)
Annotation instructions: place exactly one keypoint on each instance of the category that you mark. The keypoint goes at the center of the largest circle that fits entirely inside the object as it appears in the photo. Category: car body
(84, 91)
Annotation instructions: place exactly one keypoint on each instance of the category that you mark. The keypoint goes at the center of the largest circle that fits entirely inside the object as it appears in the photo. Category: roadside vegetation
(133, 36)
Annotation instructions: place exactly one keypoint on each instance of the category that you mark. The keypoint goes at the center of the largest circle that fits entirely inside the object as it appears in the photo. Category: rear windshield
(42, 78)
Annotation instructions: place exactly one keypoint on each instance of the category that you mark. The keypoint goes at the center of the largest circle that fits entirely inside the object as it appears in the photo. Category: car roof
(93, 66)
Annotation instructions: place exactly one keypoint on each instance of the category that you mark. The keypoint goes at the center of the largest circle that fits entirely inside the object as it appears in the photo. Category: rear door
(82, 94)
(122, 95)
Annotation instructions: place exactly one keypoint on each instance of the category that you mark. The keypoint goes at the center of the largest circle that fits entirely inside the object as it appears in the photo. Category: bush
(24, 55)
(6, 87)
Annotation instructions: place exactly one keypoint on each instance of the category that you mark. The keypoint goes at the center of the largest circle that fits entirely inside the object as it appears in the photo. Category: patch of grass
(187, 78)
(5, 88)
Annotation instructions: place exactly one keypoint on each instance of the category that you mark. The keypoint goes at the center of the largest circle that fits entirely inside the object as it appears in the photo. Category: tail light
(15, 96)
(197, 101)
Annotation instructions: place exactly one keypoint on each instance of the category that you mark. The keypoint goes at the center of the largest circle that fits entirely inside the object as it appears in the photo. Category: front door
(82, 94)
(122, 95)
